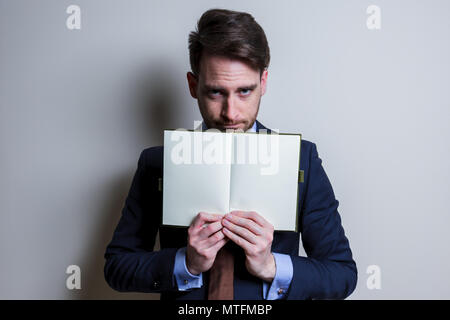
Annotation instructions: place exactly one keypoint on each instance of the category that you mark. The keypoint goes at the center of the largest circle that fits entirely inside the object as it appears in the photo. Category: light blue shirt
(271, 291)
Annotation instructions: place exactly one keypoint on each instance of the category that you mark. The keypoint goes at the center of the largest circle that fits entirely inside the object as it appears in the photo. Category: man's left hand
(254, 234)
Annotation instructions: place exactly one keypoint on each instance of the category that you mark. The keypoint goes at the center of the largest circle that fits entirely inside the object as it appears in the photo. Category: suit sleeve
(329, 271)
(131, 264)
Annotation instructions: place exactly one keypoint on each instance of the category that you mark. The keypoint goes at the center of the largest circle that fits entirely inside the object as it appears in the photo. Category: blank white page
(270, 186)
(189, 188)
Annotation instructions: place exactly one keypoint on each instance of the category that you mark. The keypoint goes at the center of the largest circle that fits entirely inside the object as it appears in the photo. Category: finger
(219, 245)
(203, 217)
(209, 229)
(245, 223)
(241, 242)
(242, 232)
(213, 239)
(253, 216)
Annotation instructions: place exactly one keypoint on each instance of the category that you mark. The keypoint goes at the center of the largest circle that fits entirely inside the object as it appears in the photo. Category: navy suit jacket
(328, 271)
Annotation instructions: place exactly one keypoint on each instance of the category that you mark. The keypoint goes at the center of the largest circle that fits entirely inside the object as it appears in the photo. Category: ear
(264, 81)
(192, 82)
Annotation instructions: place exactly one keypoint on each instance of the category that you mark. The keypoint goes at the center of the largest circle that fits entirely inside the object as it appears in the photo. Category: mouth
(229, 126)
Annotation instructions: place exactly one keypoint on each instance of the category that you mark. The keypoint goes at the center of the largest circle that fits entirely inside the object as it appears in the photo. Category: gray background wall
(78, 106)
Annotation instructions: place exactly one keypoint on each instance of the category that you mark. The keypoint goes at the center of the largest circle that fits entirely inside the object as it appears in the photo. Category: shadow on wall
(157, 101)
(153, 104)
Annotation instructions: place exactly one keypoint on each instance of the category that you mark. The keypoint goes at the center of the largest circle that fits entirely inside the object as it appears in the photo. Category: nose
(229, 110)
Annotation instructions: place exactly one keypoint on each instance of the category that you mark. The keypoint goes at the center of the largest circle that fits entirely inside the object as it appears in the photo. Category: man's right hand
(205, 238)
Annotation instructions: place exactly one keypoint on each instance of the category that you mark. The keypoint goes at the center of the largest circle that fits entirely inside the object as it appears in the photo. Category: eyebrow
(249, 87)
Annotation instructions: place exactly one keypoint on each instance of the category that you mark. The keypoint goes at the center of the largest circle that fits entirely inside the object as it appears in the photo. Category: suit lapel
(259, 126)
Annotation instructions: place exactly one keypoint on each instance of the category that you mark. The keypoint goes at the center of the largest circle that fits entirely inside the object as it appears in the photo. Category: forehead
(220, 70)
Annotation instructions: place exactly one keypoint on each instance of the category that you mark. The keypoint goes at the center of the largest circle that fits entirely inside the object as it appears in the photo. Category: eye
(214, 92)
(246, 92)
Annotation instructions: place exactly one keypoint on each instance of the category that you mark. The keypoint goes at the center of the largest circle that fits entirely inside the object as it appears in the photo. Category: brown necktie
(221, 276)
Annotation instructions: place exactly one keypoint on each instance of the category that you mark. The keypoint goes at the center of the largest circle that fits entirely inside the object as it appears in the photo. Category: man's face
(228, 92)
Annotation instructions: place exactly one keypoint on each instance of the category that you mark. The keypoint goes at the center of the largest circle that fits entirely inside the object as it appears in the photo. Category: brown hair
(232, 34)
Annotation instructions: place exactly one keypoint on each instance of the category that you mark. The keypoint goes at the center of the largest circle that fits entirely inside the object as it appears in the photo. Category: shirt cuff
(183, 278)
(282, 280)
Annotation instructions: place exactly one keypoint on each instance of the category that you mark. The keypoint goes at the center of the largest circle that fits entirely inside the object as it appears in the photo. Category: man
(229, 56)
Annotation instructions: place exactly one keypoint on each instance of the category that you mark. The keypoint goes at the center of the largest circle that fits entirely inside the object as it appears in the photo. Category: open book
(219, 172)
